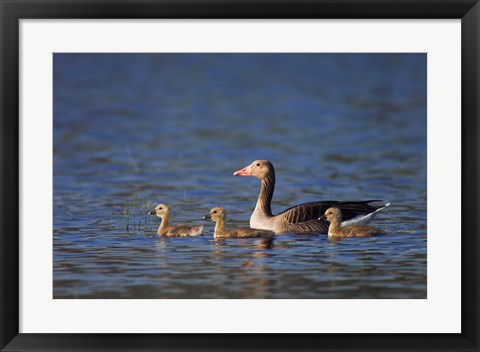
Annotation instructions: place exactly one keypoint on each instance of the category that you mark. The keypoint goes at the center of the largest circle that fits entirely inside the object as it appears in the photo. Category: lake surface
(135, 130)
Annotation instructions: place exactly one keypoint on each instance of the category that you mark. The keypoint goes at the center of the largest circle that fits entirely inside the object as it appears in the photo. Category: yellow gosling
(335, 230)
(218, 214)
(167, 230)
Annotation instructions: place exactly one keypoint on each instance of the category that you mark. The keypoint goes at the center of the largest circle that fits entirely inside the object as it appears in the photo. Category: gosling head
(259, 168)
(160, 210)
(333, 215)
(215, 214)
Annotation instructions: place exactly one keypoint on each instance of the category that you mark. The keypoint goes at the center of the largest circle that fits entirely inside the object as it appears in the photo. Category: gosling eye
(258, 164)
(215, 212)
(160, 208)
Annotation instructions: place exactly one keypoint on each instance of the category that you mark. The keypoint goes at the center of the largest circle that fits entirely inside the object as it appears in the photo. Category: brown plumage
(218, 214)
(335, 230)
(167, 230)
(303, 218)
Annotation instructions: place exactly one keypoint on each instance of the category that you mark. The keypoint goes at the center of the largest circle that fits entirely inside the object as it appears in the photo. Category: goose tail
(364, 219)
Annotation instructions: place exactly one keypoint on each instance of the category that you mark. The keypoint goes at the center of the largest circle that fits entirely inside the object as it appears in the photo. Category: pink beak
(246, 171)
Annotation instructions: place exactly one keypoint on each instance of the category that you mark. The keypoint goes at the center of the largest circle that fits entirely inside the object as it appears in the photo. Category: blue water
(135, 130)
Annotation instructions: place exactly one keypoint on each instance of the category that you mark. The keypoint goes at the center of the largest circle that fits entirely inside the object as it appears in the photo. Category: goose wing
(312, 211)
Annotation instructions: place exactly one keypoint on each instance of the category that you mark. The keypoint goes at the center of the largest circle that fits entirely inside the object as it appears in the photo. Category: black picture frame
(12, 11)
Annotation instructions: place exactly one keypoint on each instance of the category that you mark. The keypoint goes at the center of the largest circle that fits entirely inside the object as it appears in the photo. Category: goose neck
(164, 225)
(219, 228)
(335, 224)
(266, 194)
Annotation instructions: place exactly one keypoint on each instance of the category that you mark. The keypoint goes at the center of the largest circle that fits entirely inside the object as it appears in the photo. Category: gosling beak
(152, 212)
(207, 217)
(246, 171)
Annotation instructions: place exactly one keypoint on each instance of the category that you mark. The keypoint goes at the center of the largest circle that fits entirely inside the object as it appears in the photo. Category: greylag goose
(167, 230)
(335, 230)
(303, 218)
(218, 214)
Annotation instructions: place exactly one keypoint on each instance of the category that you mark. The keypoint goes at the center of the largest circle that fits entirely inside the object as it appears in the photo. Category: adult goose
(303, 218)
(167, 230)
(336, 231)
(218, 214)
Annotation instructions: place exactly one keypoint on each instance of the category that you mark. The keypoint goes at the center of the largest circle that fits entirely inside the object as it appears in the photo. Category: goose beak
(246, 171)
(207, 217)
(323, 217)
(152, 212)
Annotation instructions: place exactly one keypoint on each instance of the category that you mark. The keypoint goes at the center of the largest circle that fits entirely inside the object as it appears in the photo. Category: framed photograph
(239, 176)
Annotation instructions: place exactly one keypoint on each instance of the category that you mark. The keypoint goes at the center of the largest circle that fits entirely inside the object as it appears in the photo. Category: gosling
(218, 214)
(335, 230)
(167, 230)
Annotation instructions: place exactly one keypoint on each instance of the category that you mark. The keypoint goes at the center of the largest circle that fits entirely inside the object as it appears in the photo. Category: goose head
(333, 215)
(259, 168)
(215, 214)
(160, 210)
